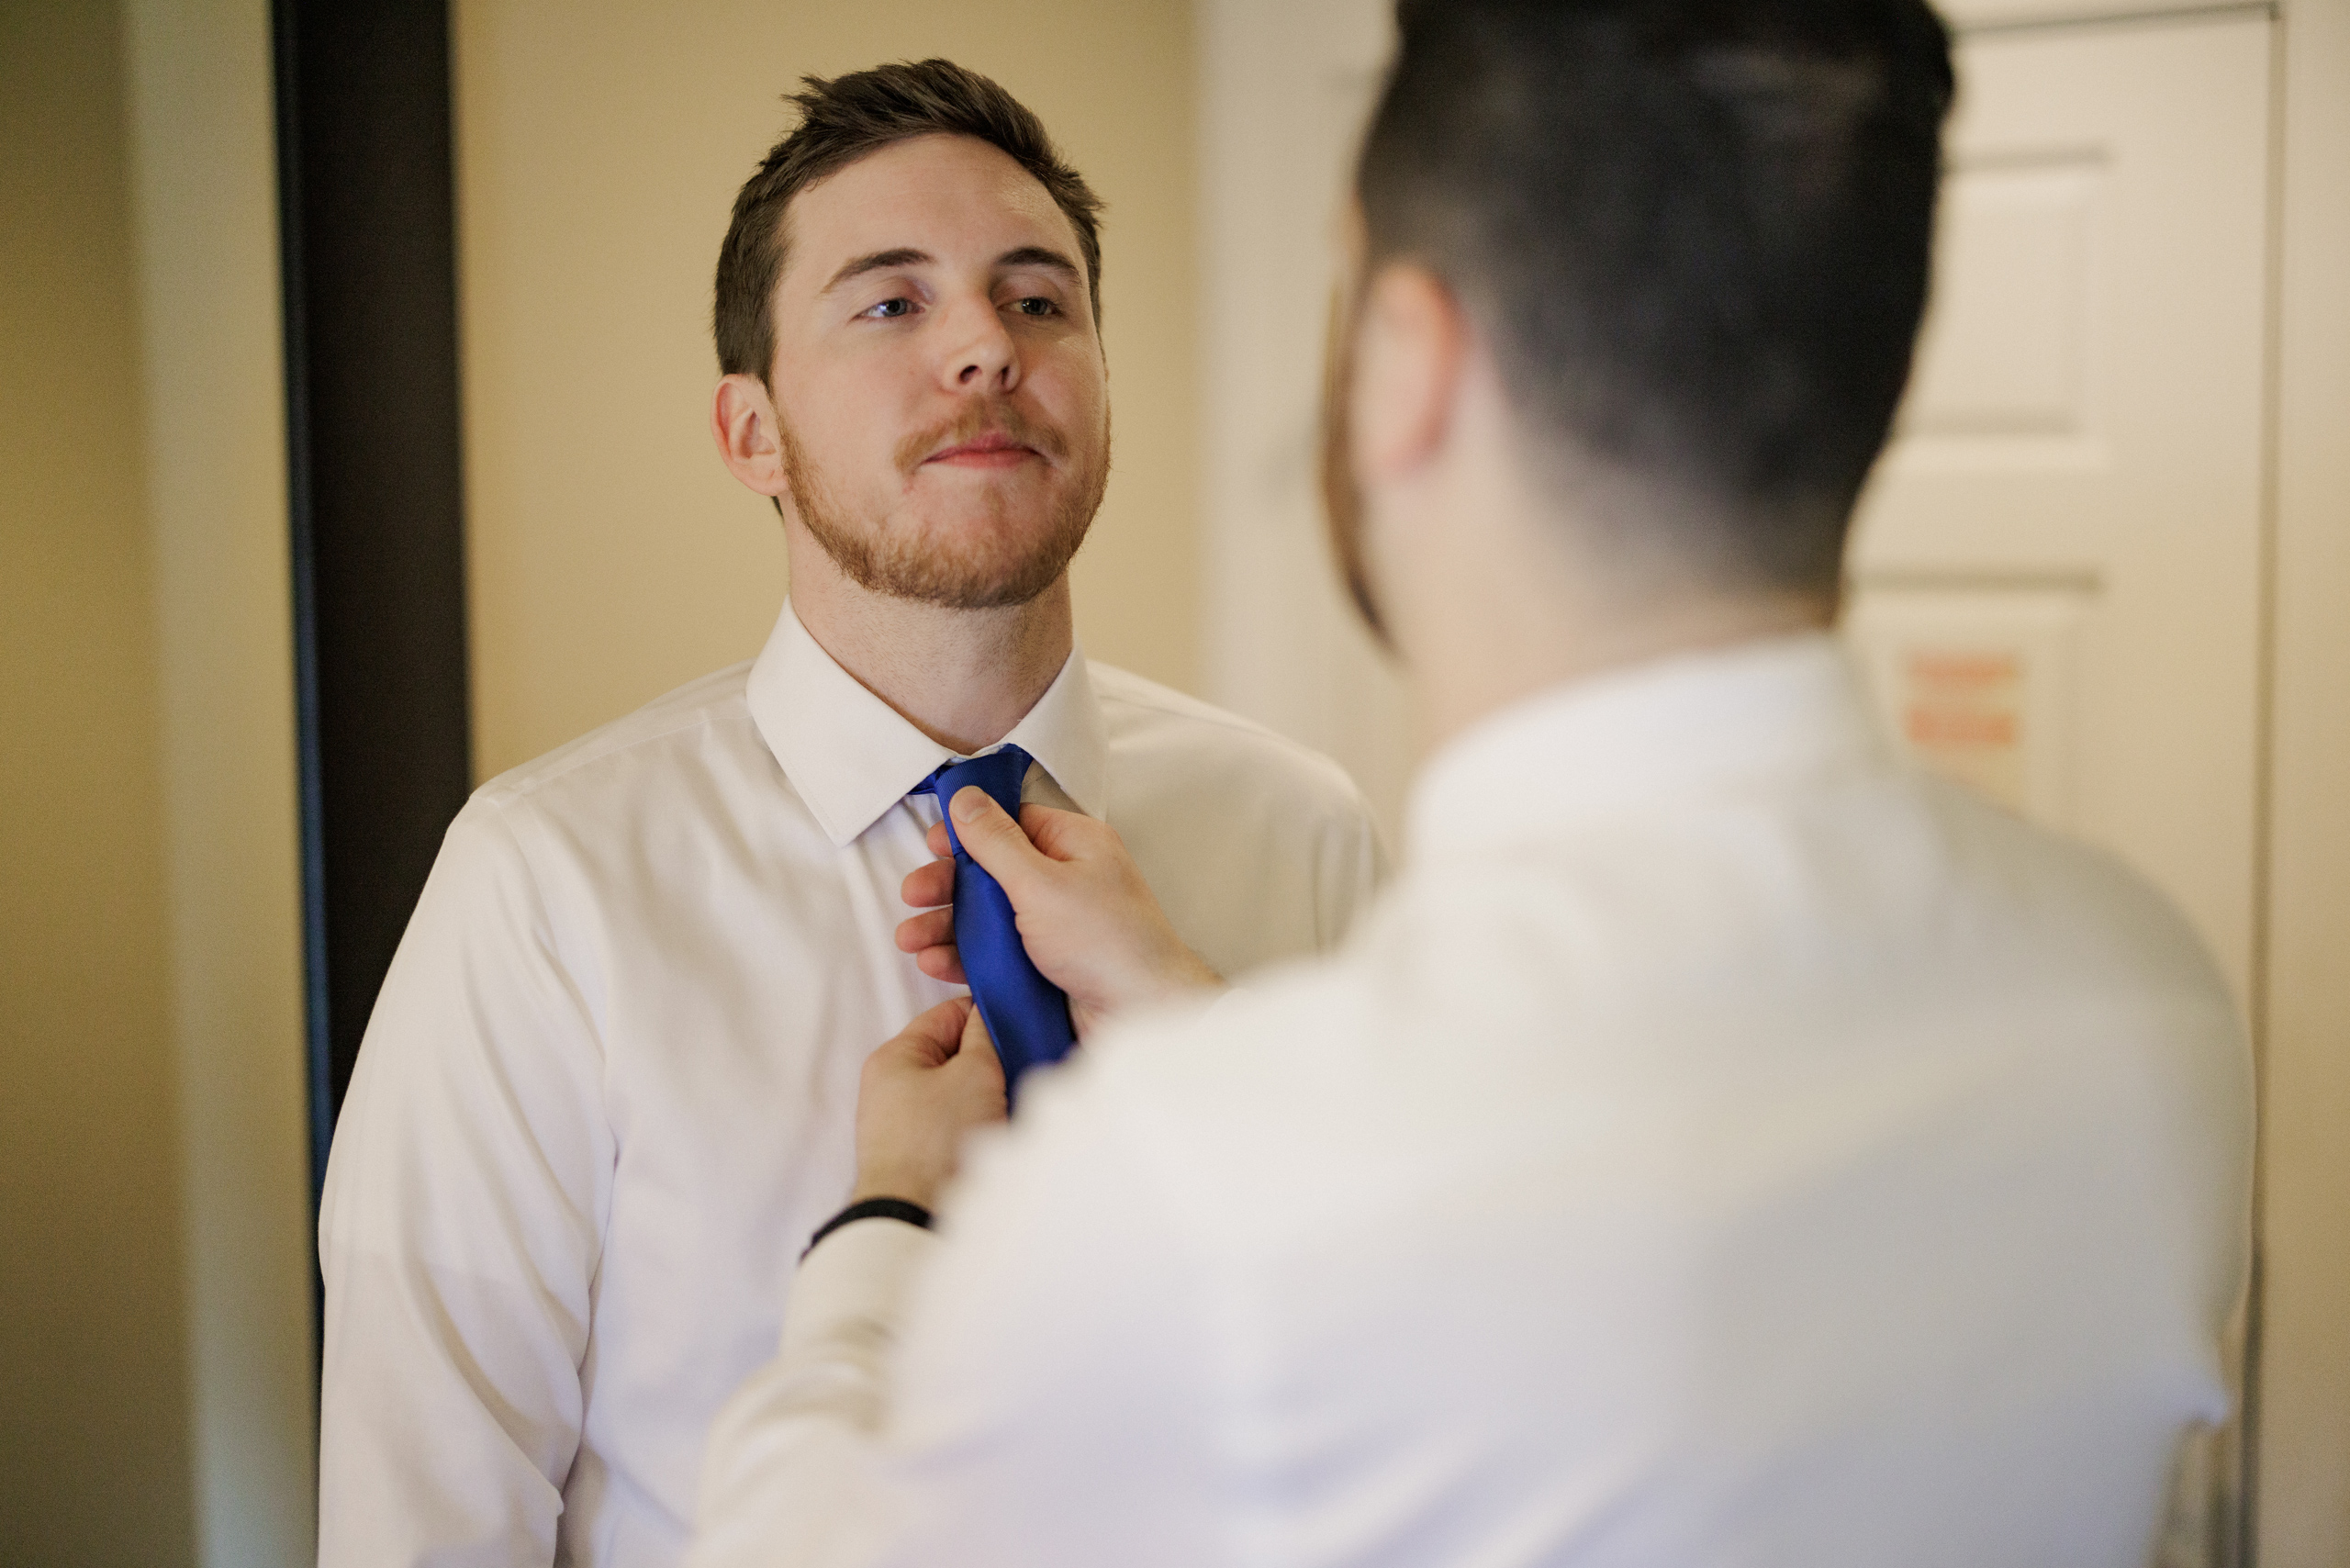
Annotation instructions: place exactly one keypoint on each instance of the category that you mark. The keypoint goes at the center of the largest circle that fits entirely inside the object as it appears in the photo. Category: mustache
(992, 416)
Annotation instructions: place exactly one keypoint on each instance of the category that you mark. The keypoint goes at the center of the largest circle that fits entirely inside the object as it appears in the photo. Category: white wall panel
(1284, 89)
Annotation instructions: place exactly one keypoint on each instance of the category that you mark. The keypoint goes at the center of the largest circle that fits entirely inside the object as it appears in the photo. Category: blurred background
(353, 376)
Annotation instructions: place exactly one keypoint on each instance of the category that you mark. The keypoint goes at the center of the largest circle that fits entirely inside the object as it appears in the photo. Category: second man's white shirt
(1720, 1146)
(608, 1087)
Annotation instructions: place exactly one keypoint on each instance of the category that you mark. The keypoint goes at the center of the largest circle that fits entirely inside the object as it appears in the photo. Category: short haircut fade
(1696, 234)
(843, 120)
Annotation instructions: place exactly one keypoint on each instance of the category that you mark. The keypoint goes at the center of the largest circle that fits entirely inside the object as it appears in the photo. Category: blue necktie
(1027, 1015)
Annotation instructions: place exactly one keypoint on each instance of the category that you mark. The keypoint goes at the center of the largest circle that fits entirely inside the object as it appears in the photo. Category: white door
(2058, 567)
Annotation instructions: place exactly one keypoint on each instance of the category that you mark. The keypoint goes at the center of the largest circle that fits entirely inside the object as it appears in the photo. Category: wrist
(903, 1186)
(1160, 980)
(898, 1209)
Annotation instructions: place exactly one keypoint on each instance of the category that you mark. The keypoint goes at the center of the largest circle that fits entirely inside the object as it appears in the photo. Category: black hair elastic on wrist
(869, 1208)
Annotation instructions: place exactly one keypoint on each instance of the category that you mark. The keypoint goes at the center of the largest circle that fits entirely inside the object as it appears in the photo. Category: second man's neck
(964, 677)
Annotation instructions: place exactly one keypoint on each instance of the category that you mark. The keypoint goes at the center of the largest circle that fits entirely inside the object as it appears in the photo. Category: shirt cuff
(848, 1298)
(868, 1208)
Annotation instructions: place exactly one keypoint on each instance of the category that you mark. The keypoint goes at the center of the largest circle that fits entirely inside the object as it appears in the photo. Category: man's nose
(983, 358)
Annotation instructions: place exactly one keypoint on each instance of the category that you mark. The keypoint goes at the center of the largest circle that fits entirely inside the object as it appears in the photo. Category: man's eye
(890, 308)
(1035, 305)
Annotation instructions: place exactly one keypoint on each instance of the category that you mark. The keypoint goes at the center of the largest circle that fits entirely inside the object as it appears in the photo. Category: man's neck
(1459, 690)
(964, 677)
(1501, 594)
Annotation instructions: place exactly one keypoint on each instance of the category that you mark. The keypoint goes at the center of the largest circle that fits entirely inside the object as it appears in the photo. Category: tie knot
(999, 773)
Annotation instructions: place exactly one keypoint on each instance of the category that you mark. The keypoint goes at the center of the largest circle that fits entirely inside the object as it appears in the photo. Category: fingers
(934, 1037)
(1025, 857)
(977, 1047)
(1057, 834)
(1063, 836)
(931, 928)
(994, 840)
(918, 1095)
(930, 884)
(930, 937)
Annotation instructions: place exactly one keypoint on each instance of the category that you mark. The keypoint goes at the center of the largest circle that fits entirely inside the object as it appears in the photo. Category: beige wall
(205, 204)
(94, 1446)
(599, 148)
(155, 1297)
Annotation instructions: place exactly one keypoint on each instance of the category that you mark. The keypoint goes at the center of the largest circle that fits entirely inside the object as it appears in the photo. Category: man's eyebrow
(1037, 256)
(880, 261)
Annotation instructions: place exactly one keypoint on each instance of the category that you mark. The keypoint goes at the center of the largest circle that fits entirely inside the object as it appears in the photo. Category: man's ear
(1411, 349)
(743, 423)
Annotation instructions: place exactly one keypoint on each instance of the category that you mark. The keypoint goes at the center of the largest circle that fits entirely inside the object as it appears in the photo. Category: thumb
(975, 1057)
(990, 838)
(976, 1042)
(933, 1038)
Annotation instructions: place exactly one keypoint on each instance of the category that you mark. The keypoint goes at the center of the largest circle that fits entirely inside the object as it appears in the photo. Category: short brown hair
(843, 119)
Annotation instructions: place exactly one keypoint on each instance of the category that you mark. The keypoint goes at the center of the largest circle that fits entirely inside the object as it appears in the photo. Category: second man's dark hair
(1696, 234)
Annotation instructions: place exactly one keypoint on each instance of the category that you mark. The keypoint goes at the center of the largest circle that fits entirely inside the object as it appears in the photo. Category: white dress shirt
(607, 1091)
(1721, 1146)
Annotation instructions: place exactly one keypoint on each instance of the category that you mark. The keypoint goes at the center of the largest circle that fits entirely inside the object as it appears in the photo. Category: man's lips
(984, 451)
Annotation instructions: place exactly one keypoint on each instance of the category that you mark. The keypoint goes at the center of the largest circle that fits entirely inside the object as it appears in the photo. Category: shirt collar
(1690, 723)
(852, 757)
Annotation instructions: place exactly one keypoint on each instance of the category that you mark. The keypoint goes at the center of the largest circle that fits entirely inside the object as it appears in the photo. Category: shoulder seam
(592, 749)
(501, 812)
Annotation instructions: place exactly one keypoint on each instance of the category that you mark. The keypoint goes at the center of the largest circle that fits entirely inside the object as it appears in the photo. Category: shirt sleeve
(1350, 870)
(790, 1474)
(1031, 1385)
(460, 1230)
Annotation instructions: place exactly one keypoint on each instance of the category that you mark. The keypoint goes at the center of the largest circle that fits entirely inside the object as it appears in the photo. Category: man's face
(941, 399)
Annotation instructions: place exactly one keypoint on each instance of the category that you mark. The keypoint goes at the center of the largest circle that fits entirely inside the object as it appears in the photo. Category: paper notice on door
(1962, 714)
(1977, 685)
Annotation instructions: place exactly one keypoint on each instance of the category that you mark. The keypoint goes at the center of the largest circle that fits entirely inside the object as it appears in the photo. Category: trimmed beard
(1341, 496)
(889, 562)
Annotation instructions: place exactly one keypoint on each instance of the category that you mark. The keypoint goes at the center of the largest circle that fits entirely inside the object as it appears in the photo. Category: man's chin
(974, 591)
(985, 573)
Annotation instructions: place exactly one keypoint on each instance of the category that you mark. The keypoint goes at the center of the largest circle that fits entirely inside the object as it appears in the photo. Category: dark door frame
(368, 230)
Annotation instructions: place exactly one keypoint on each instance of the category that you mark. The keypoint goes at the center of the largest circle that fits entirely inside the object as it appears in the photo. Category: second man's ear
(1410, 352)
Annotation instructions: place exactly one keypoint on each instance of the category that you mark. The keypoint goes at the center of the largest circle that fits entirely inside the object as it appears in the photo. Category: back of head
(1696, 234)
